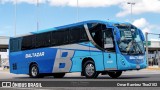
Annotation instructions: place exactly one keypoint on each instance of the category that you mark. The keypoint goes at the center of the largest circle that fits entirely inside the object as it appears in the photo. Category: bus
(90, 47)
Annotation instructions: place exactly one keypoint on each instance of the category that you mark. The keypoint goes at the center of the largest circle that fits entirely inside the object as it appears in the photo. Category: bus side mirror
(141, 35)
(117, 33)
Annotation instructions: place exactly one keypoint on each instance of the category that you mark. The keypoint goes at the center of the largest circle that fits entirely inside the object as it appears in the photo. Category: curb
(4, 70)
(152, 68)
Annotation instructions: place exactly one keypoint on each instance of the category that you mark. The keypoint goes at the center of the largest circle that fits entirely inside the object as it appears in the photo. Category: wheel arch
(86, 59)
(32, 64)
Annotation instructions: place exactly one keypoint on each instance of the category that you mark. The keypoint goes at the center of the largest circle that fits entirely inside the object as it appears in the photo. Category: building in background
(154, 53)
(4, 42)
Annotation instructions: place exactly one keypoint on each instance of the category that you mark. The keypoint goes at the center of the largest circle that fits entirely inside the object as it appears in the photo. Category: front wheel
(89, 69)
(114, 74)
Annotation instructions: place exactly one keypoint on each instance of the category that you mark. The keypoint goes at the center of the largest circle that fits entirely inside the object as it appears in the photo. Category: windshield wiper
(133, 48)
(140, 50)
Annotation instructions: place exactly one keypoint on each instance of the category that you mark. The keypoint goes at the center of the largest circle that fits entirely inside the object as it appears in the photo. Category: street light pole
(146, 35)
(15, 18)
(77, 11)
(131, 3)
(37, 15)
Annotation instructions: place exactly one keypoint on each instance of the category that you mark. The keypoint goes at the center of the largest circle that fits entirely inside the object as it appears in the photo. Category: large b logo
(63, 61)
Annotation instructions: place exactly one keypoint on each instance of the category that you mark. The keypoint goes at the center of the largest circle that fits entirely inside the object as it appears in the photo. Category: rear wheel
(59, 75)
(34, 71)
(114, 74)
(89, 69)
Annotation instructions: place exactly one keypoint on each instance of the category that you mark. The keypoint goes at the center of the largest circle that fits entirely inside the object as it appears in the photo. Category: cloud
(22, 1)
(71, 3)
(142, 22)
(145, 26)
(141, 6)
(85, 3)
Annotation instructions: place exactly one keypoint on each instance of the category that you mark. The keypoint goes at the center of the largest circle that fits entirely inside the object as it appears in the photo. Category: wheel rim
(90, 69)
(115, 73)
(34, 71)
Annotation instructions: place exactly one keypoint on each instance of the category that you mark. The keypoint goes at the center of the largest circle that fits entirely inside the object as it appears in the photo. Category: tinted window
(54, 38)
(28, 42)
(43, 40)
(96, 32)
(15, 44)
(63, 36)
(74, 34)
(60, 37)
(83, 34)
(78, 34)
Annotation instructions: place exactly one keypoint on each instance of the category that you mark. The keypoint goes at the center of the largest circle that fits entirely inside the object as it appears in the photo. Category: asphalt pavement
(141, 75)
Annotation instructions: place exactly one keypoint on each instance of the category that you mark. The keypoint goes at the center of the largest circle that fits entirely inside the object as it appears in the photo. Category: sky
(53, 13)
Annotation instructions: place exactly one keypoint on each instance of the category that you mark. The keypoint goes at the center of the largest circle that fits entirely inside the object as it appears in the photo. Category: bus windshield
(130, 41)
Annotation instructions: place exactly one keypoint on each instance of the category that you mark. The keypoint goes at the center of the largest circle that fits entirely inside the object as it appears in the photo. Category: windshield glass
(130, 42)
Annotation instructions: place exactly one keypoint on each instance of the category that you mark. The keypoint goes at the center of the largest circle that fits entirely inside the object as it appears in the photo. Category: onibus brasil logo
(20, 85)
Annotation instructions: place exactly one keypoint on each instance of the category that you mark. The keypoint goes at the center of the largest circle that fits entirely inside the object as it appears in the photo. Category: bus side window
(28, 42)
(77, 34)
(54, 40)
(43, 40)
(109, 40)
(83, 34)
(15, 44)
(98, 38)
(96, 32)
(64, 36)
(74, 34)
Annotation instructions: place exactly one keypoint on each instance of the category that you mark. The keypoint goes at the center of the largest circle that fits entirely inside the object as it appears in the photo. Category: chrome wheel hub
(34, 71)
(90, 69)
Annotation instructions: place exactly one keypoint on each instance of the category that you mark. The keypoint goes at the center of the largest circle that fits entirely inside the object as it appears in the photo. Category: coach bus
(91, 47)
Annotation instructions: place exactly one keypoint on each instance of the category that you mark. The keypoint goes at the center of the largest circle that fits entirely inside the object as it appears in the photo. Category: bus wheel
(34, 71)
(59, 75)
(89, 69)
(114, 74)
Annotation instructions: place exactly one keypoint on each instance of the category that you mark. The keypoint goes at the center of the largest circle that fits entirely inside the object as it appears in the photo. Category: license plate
(137, 66)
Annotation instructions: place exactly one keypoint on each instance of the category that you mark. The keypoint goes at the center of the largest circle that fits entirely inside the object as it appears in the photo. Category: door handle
(109, 56)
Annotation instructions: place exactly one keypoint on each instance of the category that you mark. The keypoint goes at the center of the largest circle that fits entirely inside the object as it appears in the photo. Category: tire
(59, 75)
(89, 69)
(114, 74)
(34, 71)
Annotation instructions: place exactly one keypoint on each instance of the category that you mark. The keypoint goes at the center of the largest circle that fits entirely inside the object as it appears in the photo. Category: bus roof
(108, 23)
(70, 25)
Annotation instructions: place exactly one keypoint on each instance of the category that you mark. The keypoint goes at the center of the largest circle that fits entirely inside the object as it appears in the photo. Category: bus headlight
(123, 62)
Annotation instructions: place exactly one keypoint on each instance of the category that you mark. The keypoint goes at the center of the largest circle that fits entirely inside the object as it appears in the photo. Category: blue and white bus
(91, 47)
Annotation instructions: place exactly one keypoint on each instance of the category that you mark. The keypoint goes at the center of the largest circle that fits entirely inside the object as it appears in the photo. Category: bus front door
(109, 53)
